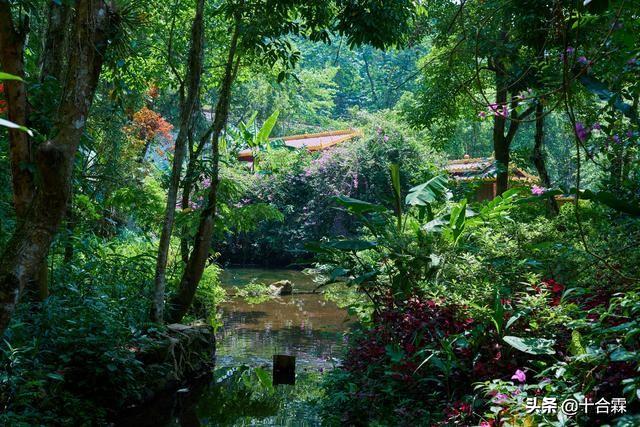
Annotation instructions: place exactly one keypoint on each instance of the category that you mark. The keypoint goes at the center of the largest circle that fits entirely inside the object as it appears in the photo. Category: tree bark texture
(95, 22)
(194, 72)
(500, 144)
(180, 303)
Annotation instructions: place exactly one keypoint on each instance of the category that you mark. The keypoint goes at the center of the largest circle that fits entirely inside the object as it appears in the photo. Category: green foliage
(304, 192)
(530, 345)
(209, 293)
(245, 394)
(398, 256)
(556, 297)
(254, 293)
(575, 329)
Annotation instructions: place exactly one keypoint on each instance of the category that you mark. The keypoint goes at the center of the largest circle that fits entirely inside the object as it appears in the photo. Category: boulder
(281, 287)
(180, 353)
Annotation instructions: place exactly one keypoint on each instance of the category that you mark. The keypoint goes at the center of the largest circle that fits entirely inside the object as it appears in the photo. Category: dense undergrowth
(77, 356)
(121, 124)
(519, 309)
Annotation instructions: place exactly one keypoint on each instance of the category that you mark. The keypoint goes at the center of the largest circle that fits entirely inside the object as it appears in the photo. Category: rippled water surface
(304, 325)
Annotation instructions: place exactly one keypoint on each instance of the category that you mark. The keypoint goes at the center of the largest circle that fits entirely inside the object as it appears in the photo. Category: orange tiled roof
(482, 168)
(311, 141)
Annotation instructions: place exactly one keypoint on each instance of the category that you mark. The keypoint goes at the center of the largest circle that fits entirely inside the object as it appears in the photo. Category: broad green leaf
(394, 170)
(395, 353)
(576, 348)
(252, 119)
(458, 218)
(263, 134)
(358, 206)
(7, 76)
(428, 192)
(531, 345)
(55, 376)
(434, 225)
(622, 355)
(351, 245)
(264, 378)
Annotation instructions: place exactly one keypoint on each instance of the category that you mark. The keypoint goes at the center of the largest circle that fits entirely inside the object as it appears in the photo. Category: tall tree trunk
(21, 150)
(22, 259)
(538, 158)
(187, 188)
(55, 48)
(500, 143)
(194, 72)
(182, 300)
(52, 62)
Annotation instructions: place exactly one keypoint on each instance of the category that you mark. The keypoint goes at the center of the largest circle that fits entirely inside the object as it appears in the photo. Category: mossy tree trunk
(93, 25)
(180, 303)
(194, 76)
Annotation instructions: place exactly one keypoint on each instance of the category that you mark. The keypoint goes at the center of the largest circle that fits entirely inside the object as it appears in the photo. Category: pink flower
(386, 138)
(496, 110)
(519, 376)
(482, 114)
(500, 398)
(536, 190)
(581, 132)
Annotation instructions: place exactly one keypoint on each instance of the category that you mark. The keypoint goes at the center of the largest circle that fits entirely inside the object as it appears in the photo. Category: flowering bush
(403, 365)
(304, 191)
(146, 126)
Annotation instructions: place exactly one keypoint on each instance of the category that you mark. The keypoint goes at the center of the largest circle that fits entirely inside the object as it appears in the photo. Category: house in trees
(311, 141)
(480, 174)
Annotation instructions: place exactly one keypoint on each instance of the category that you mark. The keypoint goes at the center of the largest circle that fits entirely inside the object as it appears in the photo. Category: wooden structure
(284, 369)
(310, 142)
(482, 171)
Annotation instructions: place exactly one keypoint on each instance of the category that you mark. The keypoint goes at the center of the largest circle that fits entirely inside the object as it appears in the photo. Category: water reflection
(304, 325)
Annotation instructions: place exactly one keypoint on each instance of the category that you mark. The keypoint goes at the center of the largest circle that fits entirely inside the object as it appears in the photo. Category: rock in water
(281, 287)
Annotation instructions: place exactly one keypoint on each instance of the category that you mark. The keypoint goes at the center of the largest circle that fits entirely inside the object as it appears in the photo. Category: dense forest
(461, 247)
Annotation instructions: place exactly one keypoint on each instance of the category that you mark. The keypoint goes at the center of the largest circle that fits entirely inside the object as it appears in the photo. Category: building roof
(310, 141)
(484, 168)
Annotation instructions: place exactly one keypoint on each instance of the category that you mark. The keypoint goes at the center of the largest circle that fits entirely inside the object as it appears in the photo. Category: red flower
(554, 288)
(3, 103)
